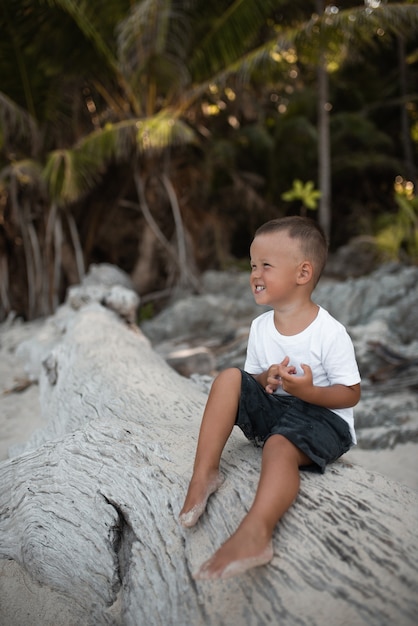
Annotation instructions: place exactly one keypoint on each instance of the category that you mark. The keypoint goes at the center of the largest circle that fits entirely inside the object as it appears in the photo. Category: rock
(362, 335)
(359, 257)
(203, 316)
(386, 295)
(378, 308)
(108, 285)
(188, 360)
(89, 507)
(107, 275)
(103, 284)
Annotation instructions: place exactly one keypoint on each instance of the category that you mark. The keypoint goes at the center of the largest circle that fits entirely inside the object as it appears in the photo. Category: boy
(294, 396)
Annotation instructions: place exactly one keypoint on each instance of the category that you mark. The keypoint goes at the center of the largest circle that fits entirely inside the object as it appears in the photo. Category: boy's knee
(232, 374)
(279, 441)
(285, 446)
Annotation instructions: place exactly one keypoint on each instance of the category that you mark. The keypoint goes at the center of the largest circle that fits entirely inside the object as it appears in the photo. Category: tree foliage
(159, 133)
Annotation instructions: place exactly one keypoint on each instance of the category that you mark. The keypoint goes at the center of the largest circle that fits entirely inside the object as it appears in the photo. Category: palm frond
(230, 36)
(143, 34)
(398, 19)
(161, 131)
(346, 30)
(265, 59)
(153, 43)
(17, 125)
(121, 140)
(69, 174)
(76, 10)
(114, 142)
(26, 172)
(84, 19)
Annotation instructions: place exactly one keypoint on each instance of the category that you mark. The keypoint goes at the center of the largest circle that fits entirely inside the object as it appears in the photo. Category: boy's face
(276, 268)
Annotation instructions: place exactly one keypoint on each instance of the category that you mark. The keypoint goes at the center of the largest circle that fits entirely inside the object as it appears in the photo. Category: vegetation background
(158, 134)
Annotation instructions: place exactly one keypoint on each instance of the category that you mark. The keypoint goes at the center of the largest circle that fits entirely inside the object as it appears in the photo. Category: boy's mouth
(259, 288)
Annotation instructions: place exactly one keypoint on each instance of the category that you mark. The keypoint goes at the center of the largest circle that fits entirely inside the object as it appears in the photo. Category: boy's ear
(305, 272)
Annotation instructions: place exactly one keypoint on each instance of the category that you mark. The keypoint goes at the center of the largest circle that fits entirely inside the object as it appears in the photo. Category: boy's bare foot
(237, 555)
(196, 499)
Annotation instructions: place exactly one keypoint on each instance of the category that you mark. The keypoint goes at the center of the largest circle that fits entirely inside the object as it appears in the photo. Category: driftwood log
(89, 507)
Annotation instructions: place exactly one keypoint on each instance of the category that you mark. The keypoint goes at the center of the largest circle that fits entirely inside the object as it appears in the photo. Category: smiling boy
(294, 396)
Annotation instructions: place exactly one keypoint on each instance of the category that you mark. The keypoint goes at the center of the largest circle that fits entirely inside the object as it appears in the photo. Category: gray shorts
(318, 432)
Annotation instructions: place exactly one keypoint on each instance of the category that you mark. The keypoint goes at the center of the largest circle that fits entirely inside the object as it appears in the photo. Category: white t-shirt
(324, 345)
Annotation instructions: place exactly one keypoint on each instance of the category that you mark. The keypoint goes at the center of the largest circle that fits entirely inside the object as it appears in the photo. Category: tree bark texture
(90, 506)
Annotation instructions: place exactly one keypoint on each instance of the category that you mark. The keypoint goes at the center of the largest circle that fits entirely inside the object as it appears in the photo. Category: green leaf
(304, 192)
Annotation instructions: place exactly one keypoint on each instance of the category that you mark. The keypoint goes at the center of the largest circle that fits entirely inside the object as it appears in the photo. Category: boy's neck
(294, 320)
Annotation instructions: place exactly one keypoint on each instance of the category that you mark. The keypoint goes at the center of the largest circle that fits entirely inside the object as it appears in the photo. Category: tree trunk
(410, 168)
(324, 148)
(89, 507)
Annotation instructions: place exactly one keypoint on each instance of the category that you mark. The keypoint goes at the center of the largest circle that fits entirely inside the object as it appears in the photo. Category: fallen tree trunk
(89, 507)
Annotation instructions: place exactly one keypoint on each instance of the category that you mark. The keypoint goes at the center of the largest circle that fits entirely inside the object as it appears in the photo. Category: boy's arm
(333, 397)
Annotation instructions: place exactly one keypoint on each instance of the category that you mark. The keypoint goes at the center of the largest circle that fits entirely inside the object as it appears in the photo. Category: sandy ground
(23, 602)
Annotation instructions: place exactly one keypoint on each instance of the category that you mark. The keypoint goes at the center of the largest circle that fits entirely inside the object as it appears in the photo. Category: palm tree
(139, 106)
(131, 96)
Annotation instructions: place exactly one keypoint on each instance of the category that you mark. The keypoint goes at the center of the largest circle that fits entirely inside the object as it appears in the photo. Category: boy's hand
(298, 386)
(276, 375)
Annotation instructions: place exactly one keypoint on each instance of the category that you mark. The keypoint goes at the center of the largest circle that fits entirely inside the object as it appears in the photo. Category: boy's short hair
(310, 235)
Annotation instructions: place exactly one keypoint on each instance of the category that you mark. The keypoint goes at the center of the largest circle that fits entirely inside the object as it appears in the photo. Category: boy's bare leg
(217, 423)
(278, 487)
